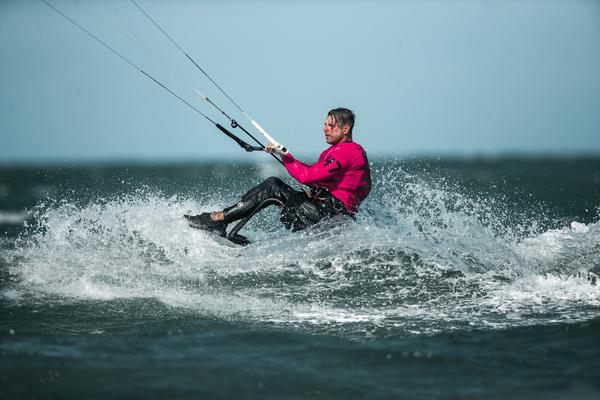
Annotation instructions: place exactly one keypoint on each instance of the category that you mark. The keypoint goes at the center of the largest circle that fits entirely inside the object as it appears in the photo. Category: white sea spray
(421, 258)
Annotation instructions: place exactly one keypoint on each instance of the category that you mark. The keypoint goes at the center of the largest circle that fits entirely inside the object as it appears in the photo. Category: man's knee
(273, 181)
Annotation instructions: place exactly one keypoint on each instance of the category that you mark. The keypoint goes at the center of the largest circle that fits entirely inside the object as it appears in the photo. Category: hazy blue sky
(424, 77)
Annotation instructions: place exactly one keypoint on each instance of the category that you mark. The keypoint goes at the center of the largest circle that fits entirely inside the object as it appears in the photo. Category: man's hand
(275, 149)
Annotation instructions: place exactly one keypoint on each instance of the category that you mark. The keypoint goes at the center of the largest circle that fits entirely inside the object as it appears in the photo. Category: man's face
(333, 132)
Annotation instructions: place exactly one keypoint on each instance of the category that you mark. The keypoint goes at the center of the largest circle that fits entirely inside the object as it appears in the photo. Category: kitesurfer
(339, 182)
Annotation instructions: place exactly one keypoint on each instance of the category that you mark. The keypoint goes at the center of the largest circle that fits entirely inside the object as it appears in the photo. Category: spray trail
(422, 258)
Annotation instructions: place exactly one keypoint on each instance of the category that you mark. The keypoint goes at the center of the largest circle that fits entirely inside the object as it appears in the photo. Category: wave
(421, 258)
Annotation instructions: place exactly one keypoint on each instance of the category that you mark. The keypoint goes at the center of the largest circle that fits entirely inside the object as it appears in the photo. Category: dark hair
(343, 116)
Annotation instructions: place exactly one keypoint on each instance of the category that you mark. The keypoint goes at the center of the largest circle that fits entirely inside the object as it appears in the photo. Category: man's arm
(334, 165)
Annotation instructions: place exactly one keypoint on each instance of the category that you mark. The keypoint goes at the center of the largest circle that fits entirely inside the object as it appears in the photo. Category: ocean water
(460, 279)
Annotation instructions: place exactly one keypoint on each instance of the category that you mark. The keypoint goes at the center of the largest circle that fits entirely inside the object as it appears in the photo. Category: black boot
(206, 223)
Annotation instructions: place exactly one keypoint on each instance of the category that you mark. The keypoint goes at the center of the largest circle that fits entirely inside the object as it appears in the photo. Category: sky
(432, 78)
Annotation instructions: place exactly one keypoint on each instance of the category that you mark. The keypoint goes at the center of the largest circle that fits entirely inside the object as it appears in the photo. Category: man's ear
(346, 129)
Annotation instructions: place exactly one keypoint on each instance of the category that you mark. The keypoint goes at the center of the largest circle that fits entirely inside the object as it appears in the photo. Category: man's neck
(344, 140)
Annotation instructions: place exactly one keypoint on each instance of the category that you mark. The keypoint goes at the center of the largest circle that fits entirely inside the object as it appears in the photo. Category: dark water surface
(460, 279)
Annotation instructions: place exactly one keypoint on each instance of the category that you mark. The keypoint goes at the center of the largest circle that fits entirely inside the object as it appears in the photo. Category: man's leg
(272, 188)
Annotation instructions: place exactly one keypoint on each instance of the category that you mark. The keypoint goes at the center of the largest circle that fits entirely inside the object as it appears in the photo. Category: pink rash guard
(343, 169)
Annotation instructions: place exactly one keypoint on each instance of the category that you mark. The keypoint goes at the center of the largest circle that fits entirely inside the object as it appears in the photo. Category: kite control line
(239, 141)
(280, 148)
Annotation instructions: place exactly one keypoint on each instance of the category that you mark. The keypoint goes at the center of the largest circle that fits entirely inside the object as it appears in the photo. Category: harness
(301, 210)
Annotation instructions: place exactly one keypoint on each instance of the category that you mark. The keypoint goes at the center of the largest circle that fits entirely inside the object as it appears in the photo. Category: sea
(460, 278)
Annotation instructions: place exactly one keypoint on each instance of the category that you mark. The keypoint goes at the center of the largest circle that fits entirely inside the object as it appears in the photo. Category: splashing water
(421, 258)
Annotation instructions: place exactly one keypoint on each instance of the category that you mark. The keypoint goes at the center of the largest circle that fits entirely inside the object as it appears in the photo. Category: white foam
(434, 264)
(571, 249)
(544, 293)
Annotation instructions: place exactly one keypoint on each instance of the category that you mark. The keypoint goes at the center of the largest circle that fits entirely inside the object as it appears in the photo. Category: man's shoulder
(345, 150)
(351, 154)
(354, 148)
(345, 146)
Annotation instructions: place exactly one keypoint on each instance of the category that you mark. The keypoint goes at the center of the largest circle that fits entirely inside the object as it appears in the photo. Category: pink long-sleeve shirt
(343, 169)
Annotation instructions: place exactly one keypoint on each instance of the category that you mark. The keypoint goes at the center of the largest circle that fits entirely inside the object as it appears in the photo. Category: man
(339, 182)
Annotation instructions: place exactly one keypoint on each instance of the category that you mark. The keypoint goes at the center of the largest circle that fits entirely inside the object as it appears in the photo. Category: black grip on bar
(239, 141)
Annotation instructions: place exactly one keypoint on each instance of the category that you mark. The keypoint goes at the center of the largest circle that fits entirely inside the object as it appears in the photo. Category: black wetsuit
(299, 211)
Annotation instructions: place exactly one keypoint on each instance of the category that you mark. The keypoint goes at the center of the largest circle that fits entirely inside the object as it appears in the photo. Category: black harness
(302, 210)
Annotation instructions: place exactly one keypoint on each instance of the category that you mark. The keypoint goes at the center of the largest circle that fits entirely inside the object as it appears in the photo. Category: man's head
(338, 126)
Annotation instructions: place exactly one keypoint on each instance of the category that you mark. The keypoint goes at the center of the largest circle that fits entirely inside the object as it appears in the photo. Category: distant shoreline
(140, 162)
